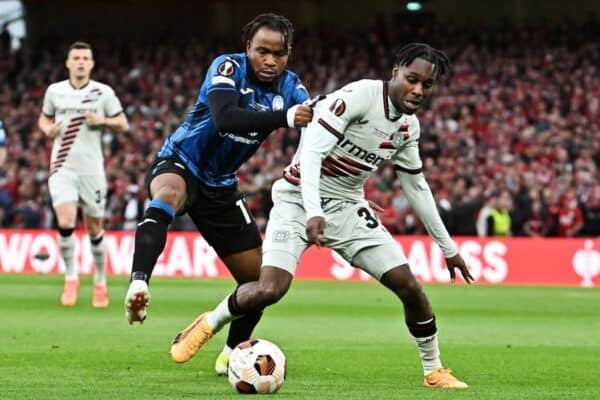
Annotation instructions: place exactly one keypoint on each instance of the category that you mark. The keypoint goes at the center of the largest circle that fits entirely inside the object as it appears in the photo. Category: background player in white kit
(320, 200)
(75, 112)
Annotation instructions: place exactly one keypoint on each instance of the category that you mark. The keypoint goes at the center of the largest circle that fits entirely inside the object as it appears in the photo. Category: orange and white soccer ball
(257, 366)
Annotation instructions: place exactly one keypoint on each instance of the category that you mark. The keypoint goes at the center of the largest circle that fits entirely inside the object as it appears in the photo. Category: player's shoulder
(370, 86)
(59, 86)
(228, 64)
(290, 81)
(100, 87)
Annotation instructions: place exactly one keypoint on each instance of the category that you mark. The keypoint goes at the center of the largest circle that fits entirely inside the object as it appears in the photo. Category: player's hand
(93, 119)
(54, 130)
(458, 262)
(315, 231)
(299, 116)
(376, 207)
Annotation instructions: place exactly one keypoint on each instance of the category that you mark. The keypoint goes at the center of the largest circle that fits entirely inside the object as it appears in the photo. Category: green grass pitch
(342, 340)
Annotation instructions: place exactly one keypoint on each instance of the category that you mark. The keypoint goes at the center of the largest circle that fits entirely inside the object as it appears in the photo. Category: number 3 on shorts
(242, 206)
(371, 220)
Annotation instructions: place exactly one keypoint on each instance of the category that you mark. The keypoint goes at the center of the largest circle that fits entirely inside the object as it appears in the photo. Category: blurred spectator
(500, 220)
(537, 224)
(2, 142)
(570, 217)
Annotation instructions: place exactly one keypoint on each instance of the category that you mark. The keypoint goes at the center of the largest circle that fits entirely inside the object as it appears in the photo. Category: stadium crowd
(516, 127)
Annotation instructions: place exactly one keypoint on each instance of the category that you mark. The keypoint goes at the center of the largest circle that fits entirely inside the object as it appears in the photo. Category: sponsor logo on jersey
(226, 68)
(277, 103)
(246, 91)
(259, 107)
(76, 110)
(360, 153)
(338, 107)
(239, 139)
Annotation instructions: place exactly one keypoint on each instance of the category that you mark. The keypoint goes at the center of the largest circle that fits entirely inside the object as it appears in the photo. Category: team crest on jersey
(338, 107)
(277, 103)
(226, 68)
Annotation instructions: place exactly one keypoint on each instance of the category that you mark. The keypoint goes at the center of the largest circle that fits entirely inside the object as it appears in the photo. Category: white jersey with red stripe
(368, 129)
(78, 147)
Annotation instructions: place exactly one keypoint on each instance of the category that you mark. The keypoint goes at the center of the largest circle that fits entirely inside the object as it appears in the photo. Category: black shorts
(220, 214)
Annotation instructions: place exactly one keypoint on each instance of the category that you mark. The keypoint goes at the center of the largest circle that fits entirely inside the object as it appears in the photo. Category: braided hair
(438, 58)
(272, 21)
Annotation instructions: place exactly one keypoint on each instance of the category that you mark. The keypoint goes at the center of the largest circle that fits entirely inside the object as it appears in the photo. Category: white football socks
(429, 352)
(226, 350)
(99, 254)
(220, 316)
(67, 251)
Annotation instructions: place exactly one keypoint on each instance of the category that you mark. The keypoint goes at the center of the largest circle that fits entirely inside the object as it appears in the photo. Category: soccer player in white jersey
(320, 200)
(75, 113)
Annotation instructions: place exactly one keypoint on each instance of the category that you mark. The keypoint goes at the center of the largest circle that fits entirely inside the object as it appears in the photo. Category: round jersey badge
(277, 103)
(226, 68)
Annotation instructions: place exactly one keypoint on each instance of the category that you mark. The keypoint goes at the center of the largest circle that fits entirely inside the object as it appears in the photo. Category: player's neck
(79, 83)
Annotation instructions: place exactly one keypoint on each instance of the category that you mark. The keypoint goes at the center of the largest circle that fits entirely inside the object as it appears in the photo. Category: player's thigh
(66, 214)
(169, 180)
(380, 259)
(285, 237)
(244, 265)
(92, 194)
(355, 232)
(223, 219)
(62, 186)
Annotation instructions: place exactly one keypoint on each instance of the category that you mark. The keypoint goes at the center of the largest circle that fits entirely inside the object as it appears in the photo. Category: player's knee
(65, 232)
(270, 292)
(171, 195)
(410, 289)
(402, 282)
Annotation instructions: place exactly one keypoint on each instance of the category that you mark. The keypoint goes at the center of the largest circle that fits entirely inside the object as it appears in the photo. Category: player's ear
(248, 46)
(395, 72)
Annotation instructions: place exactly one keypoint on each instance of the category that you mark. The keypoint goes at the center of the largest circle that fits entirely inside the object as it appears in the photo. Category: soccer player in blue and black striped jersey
(244, 97)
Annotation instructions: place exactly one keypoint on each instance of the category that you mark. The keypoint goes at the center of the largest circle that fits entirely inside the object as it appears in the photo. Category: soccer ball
(257, 366)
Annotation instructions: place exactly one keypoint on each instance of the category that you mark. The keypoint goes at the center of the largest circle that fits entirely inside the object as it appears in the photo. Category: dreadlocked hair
(438, 58)
(272, 21)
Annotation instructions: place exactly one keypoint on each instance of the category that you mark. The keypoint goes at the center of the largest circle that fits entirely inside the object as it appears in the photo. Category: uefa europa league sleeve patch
(226, 68)
(338, 107)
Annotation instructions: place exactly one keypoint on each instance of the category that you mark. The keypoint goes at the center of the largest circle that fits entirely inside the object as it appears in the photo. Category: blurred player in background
(2, 142)
(320, 200)
(75, 113)
(244, 97)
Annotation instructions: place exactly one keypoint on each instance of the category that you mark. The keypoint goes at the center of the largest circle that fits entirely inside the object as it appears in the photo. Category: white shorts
(89, 191)
(353, 230)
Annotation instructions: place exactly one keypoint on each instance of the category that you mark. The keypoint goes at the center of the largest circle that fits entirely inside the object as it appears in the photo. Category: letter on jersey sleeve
(224, 74)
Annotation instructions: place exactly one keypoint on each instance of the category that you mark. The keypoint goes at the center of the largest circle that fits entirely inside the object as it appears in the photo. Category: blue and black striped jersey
(214, 156)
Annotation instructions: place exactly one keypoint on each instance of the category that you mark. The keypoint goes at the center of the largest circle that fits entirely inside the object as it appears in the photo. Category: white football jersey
(368, 129)
(78, 147)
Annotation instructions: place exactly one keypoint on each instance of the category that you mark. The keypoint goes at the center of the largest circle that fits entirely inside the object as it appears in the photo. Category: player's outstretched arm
(421, 199)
